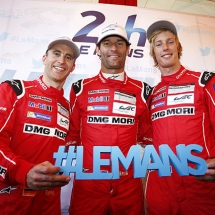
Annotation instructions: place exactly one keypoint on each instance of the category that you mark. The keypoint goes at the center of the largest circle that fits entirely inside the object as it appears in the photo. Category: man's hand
(44, 176)
(210, 173)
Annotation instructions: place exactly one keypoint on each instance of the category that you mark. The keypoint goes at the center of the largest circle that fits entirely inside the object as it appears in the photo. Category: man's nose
(61, 59)
(165, 46)
(113, 46)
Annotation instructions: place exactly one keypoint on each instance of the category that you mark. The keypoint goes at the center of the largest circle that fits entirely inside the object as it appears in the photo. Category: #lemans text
(185, 162)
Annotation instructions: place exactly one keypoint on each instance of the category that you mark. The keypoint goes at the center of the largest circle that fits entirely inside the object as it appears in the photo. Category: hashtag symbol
(69, 156)
(13, 38)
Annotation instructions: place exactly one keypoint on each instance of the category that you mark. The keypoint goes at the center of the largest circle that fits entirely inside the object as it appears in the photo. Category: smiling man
(107, 110)
(34, 121)
(189, 97)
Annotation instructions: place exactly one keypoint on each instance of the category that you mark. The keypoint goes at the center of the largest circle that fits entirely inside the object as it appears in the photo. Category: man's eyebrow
(170, 38)
(71, 55)
(106, 40)
(55, 50)
(120, 39)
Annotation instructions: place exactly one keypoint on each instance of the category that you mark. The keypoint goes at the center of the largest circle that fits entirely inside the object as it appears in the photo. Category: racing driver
(34, 121)
(106, 111)
(182, 109)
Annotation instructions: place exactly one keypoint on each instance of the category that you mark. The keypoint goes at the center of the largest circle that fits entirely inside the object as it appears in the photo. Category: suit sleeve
(210, 99)
(144, 135)
(74, 135)
(13, 168)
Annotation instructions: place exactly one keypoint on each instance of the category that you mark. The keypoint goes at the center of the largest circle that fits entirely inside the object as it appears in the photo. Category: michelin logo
(159, 104)
(97, 108)
(39, 116)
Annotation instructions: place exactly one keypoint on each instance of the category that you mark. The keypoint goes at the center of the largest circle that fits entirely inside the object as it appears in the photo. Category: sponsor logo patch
(181, 73)
(7, 190)
(110, 120)
(148, 89)
(3, 108)
(174, 89)
(160, 96)
(99, 99)
(98, 91)
(3, 171)
(124, 108)
(44, 131)
(62, 110)
(206, 77)
(40, 106)
(40, 97)
(159, 90)
(77, 84)
(62, 121)
(173, 112)
(159, 104)
(180, 99)
(102, 79)
(42, 84)
(13, 82)
(124, 97)
(97, 108)
(39, 116)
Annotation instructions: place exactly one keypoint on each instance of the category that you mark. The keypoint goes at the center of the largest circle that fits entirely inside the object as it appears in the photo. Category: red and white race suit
(34, 121)
(108, 112)
(182, 109)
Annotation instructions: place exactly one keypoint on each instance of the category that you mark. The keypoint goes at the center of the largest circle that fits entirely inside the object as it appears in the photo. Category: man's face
(113, 52)
(166, 50)
(59, 62)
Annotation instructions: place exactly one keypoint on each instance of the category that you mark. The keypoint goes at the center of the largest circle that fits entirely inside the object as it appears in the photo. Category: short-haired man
(189, 97)
(121, 102)
(34, 121)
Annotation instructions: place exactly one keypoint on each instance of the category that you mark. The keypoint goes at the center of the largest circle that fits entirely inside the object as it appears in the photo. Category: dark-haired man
(34, 121)
(121, 102)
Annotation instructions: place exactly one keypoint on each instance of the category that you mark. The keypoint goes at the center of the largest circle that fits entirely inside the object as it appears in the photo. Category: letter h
(129, 29)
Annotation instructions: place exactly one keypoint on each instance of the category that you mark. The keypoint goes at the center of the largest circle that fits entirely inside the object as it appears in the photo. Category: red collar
(174, 77)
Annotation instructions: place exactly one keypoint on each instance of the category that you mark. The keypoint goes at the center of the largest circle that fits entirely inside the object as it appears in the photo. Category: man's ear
(98, 50)
(44, 59)
(73, 68)
(128, 50)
